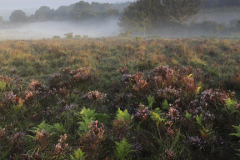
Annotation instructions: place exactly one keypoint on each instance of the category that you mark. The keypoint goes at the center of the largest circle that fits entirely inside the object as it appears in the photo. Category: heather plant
(62, 147)
(90, 142)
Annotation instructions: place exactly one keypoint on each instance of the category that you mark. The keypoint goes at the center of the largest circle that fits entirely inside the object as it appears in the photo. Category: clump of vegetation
(119, 98)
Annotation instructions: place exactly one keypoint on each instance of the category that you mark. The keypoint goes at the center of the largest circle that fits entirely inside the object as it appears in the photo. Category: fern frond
(79, 155)
(151, 100)
(59, 128)
(165, 104)
(123, 115)
(122, 149)
(199, 119)
(87, 115)
(188, 115)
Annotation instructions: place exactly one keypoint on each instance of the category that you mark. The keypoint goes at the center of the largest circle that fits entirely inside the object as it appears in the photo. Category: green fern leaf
(123, 115)
(122, 149)
(165, 104)
(188, 115)
(79, 155)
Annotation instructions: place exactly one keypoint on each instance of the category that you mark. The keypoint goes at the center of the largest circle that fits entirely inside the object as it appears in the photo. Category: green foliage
(165, 104)
(188, 115)
(123, 115)
(46, 127)
(43, 126)
(231, 104)
(122, 149)
(199, 119)
(237, 135)
(238, 131)
(151, 100)
(78, 155)
(156, 115)
(87, 115)
(2, 85)
(104, 118)
(59, 128)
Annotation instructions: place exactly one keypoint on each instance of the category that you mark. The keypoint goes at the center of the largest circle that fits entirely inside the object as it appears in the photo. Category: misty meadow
(141, 80)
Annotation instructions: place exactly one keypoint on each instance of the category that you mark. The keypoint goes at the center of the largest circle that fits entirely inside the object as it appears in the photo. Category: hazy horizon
(27, 4)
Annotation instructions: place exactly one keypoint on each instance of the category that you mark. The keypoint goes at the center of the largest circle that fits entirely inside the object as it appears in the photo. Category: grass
(52, 82)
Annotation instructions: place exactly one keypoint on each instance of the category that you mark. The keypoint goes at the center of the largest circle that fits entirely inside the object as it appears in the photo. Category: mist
(49, 29)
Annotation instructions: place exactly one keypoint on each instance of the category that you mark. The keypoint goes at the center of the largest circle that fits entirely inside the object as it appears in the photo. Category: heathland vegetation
(126, 96)
(115, 98)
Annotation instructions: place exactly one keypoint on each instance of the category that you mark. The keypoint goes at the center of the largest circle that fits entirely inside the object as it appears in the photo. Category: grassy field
(116, 98)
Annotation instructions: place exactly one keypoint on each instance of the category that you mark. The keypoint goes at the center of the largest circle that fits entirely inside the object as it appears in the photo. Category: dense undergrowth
(111, 98)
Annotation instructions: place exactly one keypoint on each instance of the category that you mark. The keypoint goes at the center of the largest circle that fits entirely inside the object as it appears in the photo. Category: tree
(43, 13)
(100, 7)
(82, 10)
(141, 15)
(180, 11)
(63, 12)
(110, 13)
(18, 16)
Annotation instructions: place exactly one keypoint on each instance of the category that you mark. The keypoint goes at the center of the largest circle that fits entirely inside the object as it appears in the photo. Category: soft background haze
(23, 4)
(30, 6)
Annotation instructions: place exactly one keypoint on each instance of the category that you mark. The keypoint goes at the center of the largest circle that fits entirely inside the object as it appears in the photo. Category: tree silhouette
(18, 16)
(180, 11)
(141, 15)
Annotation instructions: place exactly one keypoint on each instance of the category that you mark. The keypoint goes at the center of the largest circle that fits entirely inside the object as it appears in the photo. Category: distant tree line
(152, 16)
(75, 12)
(221, 3)
(147, 14)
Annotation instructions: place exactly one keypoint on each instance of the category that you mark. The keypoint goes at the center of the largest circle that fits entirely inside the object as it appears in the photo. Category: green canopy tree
(18, 16)
(82, 10)
(141, 15)
(100, 7)
(63, 12)
(180, 11)
(43, 13)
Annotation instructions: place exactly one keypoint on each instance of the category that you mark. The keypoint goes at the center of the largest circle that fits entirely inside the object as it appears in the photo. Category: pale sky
(25, 4)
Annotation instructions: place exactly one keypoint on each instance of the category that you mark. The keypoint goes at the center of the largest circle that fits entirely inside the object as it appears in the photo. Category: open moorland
(120, 98)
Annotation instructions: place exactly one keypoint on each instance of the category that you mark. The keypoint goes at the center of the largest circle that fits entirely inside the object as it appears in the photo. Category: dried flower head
(123, 70)
(142, 113)
(173, 113)
(61, 148)
(29, 96)
(9, 98)
(94, 96)
(81, 74)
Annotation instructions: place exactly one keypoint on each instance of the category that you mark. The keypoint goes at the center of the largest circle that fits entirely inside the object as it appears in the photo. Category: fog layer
(52, 28)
